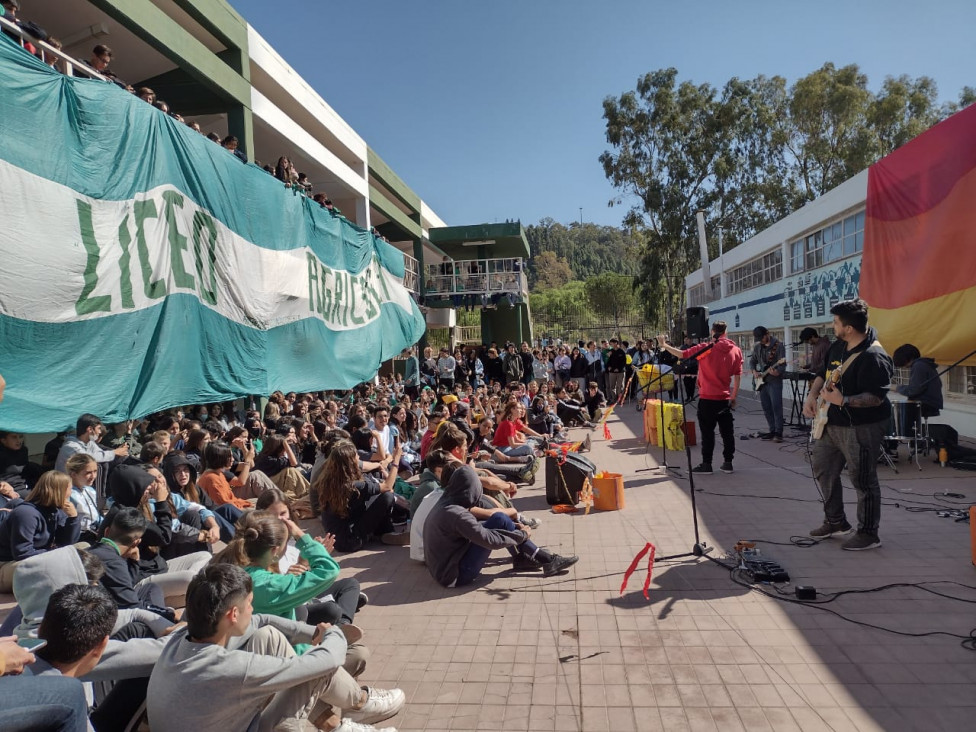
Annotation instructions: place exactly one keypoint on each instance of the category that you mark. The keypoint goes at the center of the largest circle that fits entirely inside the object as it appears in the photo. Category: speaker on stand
(697, 322)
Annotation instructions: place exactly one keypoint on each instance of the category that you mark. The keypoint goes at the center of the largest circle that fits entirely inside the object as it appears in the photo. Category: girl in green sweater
(260, 541)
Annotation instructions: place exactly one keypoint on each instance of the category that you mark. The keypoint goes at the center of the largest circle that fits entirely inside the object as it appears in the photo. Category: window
(837, 240)
(760, 271)
(696, 295)
(962, 380)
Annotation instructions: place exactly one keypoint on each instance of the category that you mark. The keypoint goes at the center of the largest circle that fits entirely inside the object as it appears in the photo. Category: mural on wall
(812, 294)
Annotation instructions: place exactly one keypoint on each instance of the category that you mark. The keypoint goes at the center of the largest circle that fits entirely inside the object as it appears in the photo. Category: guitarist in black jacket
(857, 376)
(765, 355)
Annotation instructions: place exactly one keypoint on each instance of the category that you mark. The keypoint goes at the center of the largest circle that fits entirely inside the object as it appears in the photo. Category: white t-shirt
(417, 524)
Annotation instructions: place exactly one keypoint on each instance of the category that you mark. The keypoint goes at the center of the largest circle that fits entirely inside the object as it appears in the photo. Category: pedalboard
(756, 566)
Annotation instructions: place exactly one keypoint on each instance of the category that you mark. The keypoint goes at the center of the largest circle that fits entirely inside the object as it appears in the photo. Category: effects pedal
(756, 566)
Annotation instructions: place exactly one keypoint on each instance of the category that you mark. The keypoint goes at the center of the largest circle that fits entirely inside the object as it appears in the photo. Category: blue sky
(492, 110)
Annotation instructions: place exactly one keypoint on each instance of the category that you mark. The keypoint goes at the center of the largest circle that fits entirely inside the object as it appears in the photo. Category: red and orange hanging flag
(918, 272)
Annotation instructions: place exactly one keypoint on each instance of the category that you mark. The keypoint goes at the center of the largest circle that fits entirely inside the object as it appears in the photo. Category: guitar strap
(848, 361)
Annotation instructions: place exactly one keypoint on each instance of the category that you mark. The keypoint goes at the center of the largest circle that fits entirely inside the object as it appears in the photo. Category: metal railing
(467, 334)
(477, 277)
(411, 273)
(67, 65)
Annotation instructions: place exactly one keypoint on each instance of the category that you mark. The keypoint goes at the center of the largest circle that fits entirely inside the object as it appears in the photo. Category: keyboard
(799, 375)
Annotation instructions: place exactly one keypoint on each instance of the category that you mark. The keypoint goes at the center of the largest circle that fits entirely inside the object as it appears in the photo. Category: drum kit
(906, 426)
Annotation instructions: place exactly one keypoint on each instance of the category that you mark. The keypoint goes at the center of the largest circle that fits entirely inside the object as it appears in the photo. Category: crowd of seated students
(144, 502)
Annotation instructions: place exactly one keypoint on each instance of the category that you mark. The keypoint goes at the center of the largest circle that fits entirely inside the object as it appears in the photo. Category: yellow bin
(608, 491)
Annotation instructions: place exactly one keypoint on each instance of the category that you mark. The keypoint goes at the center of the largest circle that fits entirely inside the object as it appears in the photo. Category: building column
(240, 124)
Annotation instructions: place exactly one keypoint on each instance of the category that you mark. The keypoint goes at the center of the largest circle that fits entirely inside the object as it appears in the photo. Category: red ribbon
(648, 548)
(606, 431)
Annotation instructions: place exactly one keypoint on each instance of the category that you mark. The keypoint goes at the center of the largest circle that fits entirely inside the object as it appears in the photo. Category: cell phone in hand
(32, 644)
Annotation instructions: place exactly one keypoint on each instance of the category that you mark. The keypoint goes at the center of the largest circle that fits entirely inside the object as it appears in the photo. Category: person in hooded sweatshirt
(181, 479)
(130, 485)
(924, 384)
(136, 640)
(45, 520)
(718, 367)
(457, 545)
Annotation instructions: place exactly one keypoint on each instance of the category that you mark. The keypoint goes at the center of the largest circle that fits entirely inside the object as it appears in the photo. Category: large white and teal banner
(143, 267)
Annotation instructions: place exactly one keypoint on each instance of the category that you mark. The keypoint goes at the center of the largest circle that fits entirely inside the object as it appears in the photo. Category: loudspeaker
(564, 481)
(697, 318)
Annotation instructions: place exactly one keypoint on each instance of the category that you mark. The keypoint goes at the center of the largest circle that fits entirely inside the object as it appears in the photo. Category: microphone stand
(699, 548)
(664, 441)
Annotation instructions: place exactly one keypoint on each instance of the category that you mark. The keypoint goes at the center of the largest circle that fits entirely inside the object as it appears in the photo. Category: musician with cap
(820, 345)
(765, 364)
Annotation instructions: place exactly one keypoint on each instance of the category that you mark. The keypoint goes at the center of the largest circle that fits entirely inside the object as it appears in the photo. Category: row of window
(759, 271)
(836, 241)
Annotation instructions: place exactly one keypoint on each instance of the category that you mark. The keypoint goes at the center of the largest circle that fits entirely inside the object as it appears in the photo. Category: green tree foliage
(746, 155)
(611, 296)
(587, 250)
(551, 270)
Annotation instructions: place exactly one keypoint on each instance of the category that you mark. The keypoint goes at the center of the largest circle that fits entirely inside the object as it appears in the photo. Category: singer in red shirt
(718, 367)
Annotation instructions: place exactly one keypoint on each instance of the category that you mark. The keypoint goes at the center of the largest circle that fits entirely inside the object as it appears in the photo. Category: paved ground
(524, 653)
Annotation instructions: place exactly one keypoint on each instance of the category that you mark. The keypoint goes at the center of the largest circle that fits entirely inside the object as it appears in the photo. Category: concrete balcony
(477, 277)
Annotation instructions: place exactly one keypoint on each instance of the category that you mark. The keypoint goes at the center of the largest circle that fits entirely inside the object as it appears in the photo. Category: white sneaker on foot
(347, 725)
(380, 704)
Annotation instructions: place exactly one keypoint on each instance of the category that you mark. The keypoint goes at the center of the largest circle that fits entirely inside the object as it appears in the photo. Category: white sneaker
(347, 725)
(380, 704)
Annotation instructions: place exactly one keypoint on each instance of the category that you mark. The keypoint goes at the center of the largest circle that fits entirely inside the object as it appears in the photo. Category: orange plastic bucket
(608, 491)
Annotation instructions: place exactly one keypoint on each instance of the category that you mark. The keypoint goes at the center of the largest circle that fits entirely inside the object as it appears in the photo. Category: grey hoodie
(451, 528)
(204, 686)
(37, 578)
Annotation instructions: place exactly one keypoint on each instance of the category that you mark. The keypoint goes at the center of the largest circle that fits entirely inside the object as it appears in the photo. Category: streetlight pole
(581, 217)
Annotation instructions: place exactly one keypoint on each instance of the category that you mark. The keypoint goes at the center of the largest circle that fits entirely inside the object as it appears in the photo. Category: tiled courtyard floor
(524, 653)
(519, 652)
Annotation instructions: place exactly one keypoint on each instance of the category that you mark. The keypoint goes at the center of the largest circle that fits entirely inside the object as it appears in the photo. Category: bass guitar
(760, 380)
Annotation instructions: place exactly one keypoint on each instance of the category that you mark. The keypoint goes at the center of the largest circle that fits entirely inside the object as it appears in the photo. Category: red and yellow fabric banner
(918, 272)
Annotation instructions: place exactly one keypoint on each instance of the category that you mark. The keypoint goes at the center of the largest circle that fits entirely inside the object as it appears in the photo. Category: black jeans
(375, 520)
(713, 412)
(340, 610)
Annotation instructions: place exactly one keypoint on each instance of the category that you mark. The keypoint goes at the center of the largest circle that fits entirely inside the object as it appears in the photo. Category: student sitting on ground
(45, 520)
(119, 552)
(82, 469)
(347, 596)
(261, 542)
(181, 479)
(261, 686)
(218, 460)
(16, 469)
(457, 545)
(357, 507)
(77, 624)
(442, 466)
(133, 486)
(429, 479)
(88, 431)
(277, 460)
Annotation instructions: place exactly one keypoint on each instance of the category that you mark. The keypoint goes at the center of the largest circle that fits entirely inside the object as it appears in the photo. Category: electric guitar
(820, 420)
(823, 406)
(760, 380)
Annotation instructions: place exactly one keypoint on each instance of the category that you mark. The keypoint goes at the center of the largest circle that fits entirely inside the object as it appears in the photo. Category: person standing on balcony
(445, 370)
